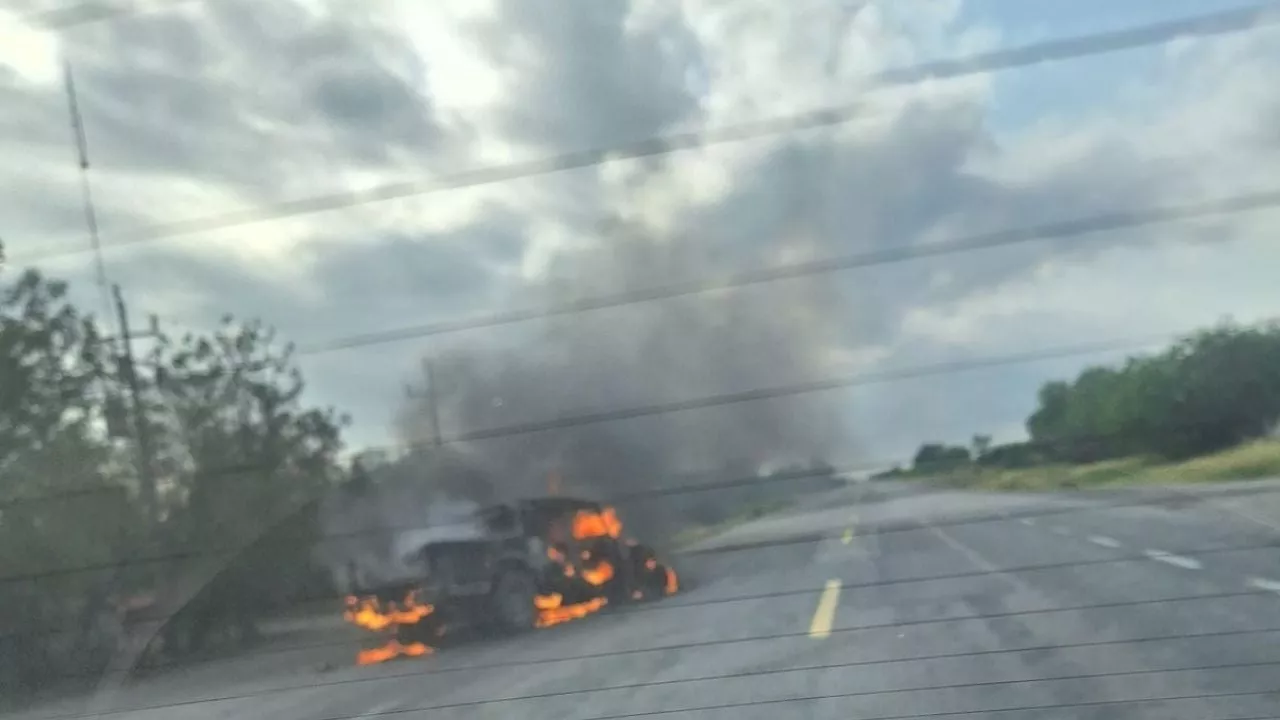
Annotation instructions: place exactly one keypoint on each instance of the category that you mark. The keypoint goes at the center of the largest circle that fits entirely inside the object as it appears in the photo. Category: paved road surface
(892, 602)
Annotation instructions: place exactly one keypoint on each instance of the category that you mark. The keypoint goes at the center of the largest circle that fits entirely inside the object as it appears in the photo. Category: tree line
(1207, 392)
(192, 499)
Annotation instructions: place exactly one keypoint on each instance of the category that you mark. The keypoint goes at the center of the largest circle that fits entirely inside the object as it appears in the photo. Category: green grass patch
(695, 533)
(1252, 460)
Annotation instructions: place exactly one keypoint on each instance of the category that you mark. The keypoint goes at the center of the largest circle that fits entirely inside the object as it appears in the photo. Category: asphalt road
(885, 602)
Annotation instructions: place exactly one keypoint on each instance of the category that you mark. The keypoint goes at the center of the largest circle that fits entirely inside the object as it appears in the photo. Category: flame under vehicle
(527, 564)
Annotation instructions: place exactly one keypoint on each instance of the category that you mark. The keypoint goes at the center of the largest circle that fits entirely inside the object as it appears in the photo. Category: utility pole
(86, 191)
(433, 403)
(431, 398)
(128, 368)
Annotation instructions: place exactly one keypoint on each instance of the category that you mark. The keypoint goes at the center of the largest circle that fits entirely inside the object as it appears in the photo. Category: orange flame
(588, 524)
(548, 602)
(673, 583)
(392, 650)
(368, 613)
(552, 611)
(600, 574)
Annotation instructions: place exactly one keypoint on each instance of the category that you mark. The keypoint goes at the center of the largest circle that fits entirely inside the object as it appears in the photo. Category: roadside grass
(1252, 460)
(695, 533)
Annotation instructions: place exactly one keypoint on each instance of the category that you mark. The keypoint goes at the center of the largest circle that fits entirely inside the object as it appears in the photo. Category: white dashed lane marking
(1175, 560)
(1182, 561)
(1265, 584)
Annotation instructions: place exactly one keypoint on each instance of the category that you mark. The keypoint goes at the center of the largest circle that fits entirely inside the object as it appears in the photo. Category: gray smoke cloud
(645, 354)
(371, 526)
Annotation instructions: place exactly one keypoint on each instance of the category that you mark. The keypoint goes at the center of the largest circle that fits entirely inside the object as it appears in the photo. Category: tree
(1049, 419)
(1228, 390)
(980, 445)
(1209, 391)
(244, 459)
(1012, 455)
(937, 457)
(63, 492)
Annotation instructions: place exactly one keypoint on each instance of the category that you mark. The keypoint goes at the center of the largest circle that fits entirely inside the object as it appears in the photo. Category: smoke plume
(642, 354)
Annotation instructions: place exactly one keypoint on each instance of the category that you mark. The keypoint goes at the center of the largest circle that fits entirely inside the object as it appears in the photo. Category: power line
(900, 527)
(812, 668)
(86, 13)
(419, 672)
(232, 551)
(641, 495)
(235, 550)
(803, 388)
(778, 594)
(1077, 228)
(697, 403)
(951, 713)
(942, 70)
(1206, 25)
(1241, 203)
(657, 409)
(800, 539)
(712, 401)
(668, 605)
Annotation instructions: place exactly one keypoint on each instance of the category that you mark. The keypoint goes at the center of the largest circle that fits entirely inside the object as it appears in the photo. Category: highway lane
(915, 603)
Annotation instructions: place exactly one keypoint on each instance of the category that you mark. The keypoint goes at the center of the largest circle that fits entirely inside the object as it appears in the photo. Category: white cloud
(29, 53)
(213, 108)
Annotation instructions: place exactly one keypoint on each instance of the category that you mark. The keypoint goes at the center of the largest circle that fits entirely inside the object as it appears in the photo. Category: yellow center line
(820, 626)
(848, 532)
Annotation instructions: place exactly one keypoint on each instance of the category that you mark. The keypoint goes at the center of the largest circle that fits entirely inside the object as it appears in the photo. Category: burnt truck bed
(539, 562)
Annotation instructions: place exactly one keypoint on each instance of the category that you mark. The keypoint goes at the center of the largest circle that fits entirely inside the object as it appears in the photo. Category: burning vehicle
(502, 569)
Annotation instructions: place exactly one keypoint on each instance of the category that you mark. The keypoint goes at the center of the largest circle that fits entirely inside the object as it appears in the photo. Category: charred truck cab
(538, 563)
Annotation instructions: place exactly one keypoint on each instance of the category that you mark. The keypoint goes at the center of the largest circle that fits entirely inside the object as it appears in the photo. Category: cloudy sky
(213, 123)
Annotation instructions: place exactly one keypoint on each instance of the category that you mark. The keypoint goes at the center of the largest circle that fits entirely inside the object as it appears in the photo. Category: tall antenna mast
(90, 213)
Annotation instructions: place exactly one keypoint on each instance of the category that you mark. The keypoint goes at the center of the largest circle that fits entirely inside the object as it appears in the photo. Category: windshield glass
(595, 359)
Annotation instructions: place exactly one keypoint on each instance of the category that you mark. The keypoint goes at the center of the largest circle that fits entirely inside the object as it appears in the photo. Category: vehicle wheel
(426, 631)
(655, 582)
(650, 575)
(511, 602)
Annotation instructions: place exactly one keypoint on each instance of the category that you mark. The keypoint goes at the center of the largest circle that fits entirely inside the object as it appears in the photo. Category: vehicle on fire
(533, 563)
